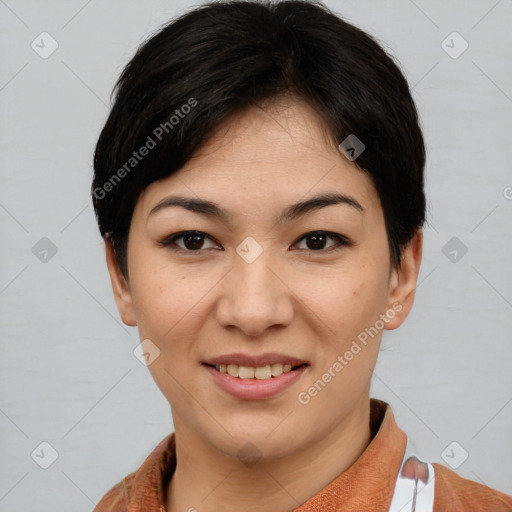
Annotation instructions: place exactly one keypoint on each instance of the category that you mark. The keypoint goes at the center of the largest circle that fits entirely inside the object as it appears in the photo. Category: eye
(319, 238)
(193, 241)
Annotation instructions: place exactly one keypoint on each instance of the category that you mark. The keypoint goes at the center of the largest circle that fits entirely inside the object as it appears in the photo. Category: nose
(255, 297)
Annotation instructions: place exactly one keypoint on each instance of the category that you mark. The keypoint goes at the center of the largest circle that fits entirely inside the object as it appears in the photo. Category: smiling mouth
(266, 372)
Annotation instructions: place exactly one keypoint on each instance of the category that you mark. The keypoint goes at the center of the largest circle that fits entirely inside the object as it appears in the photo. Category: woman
(259, 186)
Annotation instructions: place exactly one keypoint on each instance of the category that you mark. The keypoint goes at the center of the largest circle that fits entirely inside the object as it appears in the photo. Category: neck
(207, 480)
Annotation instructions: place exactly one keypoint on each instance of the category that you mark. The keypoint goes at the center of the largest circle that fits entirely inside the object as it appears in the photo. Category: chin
(254, 445)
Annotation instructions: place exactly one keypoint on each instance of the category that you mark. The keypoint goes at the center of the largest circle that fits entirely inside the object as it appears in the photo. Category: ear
(120, 287)
(403, 282)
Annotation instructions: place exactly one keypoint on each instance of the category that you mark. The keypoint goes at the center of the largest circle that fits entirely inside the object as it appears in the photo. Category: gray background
(68, 373)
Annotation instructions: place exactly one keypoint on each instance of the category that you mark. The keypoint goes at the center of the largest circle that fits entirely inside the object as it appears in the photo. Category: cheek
(172, 311)
(160, 300)
(168, 313)
(345, 300)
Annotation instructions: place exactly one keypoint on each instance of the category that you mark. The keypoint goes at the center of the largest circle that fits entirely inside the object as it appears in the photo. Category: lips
(261, 386)
(258, 377)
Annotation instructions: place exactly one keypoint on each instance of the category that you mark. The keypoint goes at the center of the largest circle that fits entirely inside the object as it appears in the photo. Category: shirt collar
(366, 485)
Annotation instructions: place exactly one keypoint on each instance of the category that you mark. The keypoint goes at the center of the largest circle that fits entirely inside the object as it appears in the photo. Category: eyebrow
(292, 212)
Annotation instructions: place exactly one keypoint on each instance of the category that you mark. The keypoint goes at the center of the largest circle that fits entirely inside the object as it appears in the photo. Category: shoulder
(115, 500)
(457, 494)
(142, 490)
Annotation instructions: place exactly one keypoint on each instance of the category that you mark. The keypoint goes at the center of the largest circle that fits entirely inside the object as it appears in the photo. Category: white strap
(415, 485)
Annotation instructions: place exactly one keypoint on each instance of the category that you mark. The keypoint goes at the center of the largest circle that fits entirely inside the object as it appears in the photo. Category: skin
(296, 298)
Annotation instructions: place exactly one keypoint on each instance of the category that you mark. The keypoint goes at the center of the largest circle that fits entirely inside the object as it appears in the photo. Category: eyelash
(169, 241)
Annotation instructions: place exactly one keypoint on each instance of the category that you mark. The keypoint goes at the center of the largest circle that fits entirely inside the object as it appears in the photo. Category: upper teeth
(248, 372)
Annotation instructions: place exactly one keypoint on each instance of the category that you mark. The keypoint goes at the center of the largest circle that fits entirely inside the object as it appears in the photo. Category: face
(258, 277)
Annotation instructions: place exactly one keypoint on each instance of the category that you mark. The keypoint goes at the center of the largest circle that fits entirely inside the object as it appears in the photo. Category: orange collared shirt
(366, 486)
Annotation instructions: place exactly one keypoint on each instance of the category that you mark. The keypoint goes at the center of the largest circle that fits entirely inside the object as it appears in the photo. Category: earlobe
(404, 280)
(120, 287)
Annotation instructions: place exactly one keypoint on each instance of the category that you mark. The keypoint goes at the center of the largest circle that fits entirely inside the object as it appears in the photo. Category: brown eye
(192, 241)
(316, 241)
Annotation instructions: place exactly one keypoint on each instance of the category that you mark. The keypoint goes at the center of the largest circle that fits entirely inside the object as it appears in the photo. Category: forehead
(265, 157)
